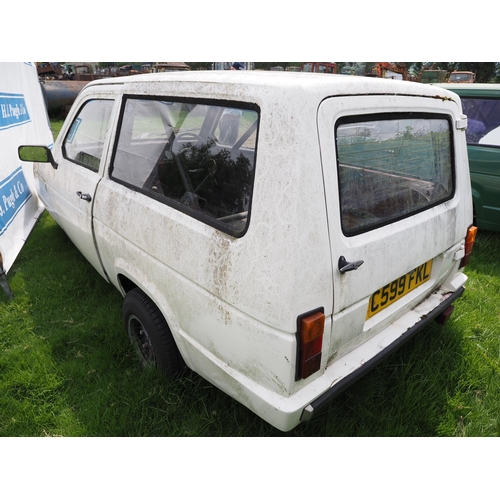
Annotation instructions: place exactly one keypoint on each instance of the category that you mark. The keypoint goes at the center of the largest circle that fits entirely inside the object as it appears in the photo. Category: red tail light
(469, 243)
(310, 343)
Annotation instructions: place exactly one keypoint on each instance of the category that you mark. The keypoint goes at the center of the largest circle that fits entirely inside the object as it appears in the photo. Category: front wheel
(150, 334)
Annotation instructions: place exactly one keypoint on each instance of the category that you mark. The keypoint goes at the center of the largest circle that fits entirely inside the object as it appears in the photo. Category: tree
(485, 71)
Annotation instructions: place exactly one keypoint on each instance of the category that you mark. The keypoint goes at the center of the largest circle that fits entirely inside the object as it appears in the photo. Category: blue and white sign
(23, 121)
(13, 110)
(14, 194)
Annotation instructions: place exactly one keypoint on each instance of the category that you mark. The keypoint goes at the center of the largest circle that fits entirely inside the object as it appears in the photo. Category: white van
(278, 233)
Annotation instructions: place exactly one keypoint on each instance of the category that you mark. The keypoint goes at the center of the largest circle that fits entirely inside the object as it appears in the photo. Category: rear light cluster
(469, 243)
(310, 343)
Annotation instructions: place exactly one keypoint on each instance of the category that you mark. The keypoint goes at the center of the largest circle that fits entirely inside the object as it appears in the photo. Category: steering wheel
(182, 138)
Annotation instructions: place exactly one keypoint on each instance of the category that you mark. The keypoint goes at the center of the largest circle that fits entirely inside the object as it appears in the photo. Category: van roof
(229, 83)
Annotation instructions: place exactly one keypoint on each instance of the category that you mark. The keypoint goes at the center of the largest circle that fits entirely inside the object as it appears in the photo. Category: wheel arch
(150, 333)
(127, 284)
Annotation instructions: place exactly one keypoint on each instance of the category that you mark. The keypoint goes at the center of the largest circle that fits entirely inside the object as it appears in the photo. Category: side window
(195, 156)
(483, 117)
(85, 140)
(392, 168)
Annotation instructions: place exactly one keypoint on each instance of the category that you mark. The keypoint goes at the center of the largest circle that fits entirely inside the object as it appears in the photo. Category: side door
(68, 191)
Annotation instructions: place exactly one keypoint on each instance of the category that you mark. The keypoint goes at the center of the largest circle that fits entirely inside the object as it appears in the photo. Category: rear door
(393, 207)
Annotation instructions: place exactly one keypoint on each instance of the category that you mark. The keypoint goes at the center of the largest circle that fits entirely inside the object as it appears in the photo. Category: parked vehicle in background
(433, 76)
(49, 70)
(163, 67)
(462, 77)
(481, 104)
(277, 233)
(319, 67)
(393, 70)
(84, 73)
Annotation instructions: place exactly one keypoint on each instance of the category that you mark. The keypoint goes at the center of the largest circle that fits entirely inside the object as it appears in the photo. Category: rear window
(197, 157)
(391, 167)
(483, 121)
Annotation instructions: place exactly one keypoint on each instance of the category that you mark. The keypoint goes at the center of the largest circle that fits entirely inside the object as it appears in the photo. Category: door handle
(345, 266)
(83, 196)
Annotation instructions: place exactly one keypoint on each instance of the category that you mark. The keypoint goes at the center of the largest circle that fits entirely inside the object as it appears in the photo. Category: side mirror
(39, 154)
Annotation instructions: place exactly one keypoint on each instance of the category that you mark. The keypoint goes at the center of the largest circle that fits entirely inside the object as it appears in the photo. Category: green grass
(55, 126)
(67, 369)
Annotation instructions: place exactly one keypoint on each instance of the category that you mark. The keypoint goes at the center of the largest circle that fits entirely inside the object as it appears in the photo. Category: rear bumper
(348, 380)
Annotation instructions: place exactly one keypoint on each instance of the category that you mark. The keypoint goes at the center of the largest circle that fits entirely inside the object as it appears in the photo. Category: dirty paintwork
(232, 298)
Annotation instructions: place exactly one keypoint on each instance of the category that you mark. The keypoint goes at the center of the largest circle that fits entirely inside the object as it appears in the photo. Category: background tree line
(485, 71)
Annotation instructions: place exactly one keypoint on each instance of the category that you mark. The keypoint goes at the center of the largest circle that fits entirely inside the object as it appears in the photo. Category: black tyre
(150, 334)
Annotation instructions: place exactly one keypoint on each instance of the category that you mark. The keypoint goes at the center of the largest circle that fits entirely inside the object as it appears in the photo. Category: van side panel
(236, 300)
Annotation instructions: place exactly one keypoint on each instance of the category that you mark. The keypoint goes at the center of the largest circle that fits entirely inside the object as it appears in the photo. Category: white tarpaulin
(23, 120)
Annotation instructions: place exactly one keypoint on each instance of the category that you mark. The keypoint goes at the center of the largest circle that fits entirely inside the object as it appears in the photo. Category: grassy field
(67, 369)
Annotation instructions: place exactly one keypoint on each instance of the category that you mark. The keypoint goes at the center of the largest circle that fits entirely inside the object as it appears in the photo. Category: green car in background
(481, 104)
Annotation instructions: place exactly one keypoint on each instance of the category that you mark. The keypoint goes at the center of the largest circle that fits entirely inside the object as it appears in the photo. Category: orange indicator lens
(469, 244)
(310, 343)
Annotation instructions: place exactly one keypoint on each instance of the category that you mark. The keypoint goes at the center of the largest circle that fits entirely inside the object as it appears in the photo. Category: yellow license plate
(398, 288)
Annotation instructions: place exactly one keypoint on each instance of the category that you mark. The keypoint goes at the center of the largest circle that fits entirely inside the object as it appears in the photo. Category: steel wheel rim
(141, 340)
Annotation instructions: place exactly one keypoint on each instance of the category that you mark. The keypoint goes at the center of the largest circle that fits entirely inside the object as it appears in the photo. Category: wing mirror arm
(52, 161)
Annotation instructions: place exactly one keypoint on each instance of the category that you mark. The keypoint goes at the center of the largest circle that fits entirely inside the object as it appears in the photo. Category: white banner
(23, 121)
